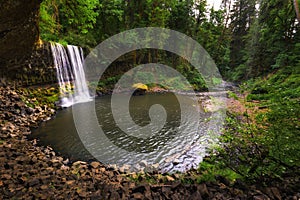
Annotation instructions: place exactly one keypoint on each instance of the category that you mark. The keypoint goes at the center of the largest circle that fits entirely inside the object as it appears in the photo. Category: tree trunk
(297, 10)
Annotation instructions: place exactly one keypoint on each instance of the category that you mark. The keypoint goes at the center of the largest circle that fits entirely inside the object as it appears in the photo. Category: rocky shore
(30, 171)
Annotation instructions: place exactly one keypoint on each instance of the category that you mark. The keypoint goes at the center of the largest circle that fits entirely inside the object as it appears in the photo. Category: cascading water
(70, 73)
(81, 88)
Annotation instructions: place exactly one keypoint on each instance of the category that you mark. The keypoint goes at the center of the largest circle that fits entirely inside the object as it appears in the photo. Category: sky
(216, 3)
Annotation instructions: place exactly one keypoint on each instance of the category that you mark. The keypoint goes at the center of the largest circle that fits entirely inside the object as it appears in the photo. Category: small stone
(138, 196)
(64, 167)
(170, 178)
(77, 163)
(134, 175)
(65, 162)
(102, 169)
(95, 164)
(55, 160)
(124, 168)
(44, 187)
(82, 193)
(143, 163)
(176, 161)
(6, 176)
(112, 167)
(155, 166)
(71, 182)
(34, 159)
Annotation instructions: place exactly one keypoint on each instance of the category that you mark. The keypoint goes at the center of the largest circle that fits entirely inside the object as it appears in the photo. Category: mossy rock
(140, 86)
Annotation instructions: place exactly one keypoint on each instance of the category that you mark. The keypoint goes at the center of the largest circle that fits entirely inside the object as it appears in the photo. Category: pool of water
(175, 135)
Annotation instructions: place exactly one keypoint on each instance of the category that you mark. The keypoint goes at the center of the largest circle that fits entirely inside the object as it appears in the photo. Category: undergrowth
(264, 146)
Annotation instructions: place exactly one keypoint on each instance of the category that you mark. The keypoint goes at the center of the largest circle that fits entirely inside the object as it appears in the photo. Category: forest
(246, 39)
(255, 45)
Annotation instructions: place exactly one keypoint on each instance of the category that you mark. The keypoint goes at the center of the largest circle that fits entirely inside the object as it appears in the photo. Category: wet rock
(143, 163)
(112, 167)
(176, 161)
(65, 162)
(124, 168)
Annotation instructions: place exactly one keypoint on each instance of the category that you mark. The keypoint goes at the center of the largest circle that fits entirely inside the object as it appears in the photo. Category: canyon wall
(19, 34)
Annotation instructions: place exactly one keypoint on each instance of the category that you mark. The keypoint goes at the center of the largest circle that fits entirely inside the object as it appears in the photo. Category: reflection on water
(177, 134)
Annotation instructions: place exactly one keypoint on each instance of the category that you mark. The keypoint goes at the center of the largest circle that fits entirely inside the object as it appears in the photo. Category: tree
(68, 21)
(271, 41)
(296, 5)
(277, 22)
(242, 16)
(110, 20)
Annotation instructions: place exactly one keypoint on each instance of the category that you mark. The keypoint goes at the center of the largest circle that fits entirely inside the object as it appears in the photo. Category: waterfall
(69, 63)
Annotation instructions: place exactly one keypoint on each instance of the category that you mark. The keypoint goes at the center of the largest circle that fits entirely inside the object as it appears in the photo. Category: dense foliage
(264, 143)
(246, 38)
(87, 23)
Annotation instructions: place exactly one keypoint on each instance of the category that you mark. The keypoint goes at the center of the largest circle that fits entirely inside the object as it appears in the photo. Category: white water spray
(70, 73)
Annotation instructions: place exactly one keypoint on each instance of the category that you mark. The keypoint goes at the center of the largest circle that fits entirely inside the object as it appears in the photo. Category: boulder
(140, 89)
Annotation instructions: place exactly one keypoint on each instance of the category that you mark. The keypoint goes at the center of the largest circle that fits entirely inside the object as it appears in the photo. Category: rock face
(37, 69)
(19, 31)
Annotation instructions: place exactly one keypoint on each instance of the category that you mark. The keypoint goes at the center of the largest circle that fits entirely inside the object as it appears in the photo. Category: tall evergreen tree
(277, 30)
(242, 16)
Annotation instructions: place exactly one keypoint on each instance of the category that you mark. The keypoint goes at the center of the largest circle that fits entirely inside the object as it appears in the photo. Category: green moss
(209, 170)
(232, 95)
(267, 147)
(284, 83)
(37, 96)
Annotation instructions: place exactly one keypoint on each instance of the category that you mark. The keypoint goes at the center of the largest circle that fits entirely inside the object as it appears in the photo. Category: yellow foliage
(140, 86)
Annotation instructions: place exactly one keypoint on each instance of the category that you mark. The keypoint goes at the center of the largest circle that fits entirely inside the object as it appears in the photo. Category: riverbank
(30, 171)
